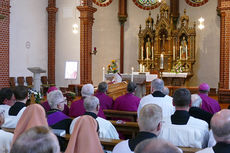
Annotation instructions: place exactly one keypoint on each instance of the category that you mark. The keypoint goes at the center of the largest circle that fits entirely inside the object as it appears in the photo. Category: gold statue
(148, 49)
(183, 52)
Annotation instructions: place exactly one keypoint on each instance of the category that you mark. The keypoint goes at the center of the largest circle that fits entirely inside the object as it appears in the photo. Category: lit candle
(162, 61)
(174, 52)
(180, 52)
(103, 74)
(132, 74)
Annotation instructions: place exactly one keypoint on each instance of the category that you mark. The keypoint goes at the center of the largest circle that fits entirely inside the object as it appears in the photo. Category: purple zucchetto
(204, 87)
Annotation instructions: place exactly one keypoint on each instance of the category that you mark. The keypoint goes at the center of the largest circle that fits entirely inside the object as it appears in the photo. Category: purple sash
(56, 117)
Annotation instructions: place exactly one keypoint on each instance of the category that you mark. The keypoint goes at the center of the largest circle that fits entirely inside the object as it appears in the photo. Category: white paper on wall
(71, 70)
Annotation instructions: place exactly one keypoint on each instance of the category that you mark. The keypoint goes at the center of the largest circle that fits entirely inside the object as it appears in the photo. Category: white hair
(149, 118)
(87, 90)
(90, 103)
(54, 98)
(196, 100)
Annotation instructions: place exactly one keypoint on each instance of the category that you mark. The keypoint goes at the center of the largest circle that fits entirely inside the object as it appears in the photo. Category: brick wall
(4, 43)
(224, 9)
(51, 9)
(86, 24)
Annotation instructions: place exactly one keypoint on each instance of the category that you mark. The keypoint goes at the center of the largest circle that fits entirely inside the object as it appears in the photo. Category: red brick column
(4, 42)
(86, 24)
(51, 9)
(122, 16)
(224, 9)
(224, 12)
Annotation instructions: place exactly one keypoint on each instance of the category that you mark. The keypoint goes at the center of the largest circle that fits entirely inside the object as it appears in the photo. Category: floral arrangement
(112, 68)
(37, 95)
(178, 67)
(70, 95)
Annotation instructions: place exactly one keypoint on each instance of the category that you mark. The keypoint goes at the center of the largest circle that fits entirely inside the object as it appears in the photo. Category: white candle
(174, 52)
(140, 67)
(143, 69)
(162, 61)
(152, 53)
(103, 74)
(180, 52)
(132, 74)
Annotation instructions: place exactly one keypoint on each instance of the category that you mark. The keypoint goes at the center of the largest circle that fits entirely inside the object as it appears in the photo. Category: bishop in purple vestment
(46, 105)
(106, 102)
(208, 104)
(128, 102)
(77, 107)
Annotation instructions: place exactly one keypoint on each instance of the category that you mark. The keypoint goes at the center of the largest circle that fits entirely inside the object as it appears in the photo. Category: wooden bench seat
(109, 113)
(109, 144)
(126, 128)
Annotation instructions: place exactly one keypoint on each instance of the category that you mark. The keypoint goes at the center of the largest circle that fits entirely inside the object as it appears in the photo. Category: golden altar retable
(166, 46)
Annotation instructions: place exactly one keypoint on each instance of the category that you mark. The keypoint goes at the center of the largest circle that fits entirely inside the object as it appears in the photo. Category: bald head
(156, 145)
(220, 125)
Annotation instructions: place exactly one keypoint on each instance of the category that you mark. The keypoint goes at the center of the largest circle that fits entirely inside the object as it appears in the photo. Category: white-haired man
(92, 107)
(220, 125)
(159, 98)
(77, 107)
(149, 123)
(55, 117)
(196, 111)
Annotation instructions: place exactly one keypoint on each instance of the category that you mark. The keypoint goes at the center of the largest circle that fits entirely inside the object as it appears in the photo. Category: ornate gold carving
(166, 39)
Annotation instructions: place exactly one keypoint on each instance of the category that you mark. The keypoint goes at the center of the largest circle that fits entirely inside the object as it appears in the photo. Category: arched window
(196, 3)
(102, 3)
(147, 4)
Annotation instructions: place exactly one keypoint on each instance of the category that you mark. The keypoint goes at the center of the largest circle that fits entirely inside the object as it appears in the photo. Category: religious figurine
(148, 49)
(183, 49)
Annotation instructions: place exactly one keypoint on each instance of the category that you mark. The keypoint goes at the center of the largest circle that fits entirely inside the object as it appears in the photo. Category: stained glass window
(147, 2)
(197, 1)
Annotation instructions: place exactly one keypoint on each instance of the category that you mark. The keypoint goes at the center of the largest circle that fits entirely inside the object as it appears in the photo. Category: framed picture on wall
(71, 70)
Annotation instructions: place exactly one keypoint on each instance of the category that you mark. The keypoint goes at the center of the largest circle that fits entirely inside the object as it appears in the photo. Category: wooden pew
(126, 128)
(109, 113)
(109, 144)
(11, 130)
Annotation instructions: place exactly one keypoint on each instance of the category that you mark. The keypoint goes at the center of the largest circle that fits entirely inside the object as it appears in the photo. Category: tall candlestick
(174, 53)
(142, 52)
(162, 61)
(132, 74)
(186, 52)
(103, 74)
(147, 52)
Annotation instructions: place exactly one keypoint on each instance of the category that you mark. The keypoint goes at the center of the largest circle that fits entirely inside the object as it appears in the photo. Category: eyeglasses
(64, 101)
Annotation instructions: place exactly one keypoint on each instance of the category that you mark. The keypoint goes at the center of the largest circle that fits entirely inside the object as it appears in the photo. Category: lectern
(37, 77)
